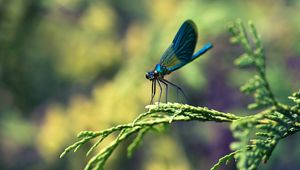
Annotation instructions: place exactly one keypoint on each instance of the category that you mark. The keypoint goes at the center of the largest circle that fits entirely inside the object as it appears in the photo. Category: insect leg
(177, 87)
(160, 91)
(153, 91)
(167, 88)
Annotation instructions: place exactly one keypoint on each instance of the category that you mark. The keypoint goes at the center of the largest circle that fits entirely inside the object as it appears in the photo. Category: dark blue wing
(182, 48)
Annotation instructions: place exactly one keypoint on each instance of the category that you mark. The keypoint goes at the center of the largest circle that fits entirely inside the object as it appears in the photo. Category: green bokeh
(67, 66)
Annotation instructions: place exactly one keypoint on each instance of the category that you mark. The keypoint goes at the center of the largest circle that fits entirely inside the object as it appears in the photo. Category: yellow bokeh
(72, 65)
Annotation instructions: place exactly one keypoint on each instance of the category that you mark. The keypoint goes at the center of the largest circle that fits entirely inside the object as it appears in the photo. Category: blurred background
(73, 65)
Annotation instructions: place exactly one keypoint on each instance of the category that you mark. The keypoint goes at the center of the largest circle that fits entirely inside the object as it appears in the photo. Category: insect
(178, 54)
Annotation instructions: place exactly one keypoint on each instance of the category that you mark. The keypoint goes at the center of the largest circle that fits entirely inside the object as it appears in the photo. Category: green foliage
(225, 159)
(156, 116)
(253, 57)
(256, 135)
(137, 141)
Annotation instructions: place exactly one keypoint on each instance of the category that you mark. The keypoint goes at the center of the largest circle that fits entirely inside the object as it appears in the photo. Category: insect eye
(147, 76)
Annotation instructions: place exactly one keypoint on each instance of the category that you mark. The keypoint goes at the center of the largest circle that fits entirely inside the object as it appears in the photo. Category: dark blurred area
(68, 66)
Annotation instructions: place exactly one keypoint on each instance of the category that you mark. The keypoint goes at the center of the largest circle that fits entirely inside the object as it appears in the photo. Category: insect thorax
(161, 69)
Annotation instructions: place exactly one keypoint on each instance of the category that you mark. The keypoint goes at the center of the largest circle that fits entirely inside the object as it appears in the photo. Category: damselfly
(179, 53)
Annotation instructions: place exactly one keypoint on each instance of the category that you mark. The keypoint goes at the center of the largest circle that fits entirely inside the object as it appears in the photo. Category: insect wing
(182, 48)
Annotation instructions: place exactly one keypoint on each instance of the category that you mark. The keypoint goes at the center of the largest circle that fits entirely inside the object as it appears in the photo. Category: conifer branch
(259, 133)
(254, 56)
(168, 113)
